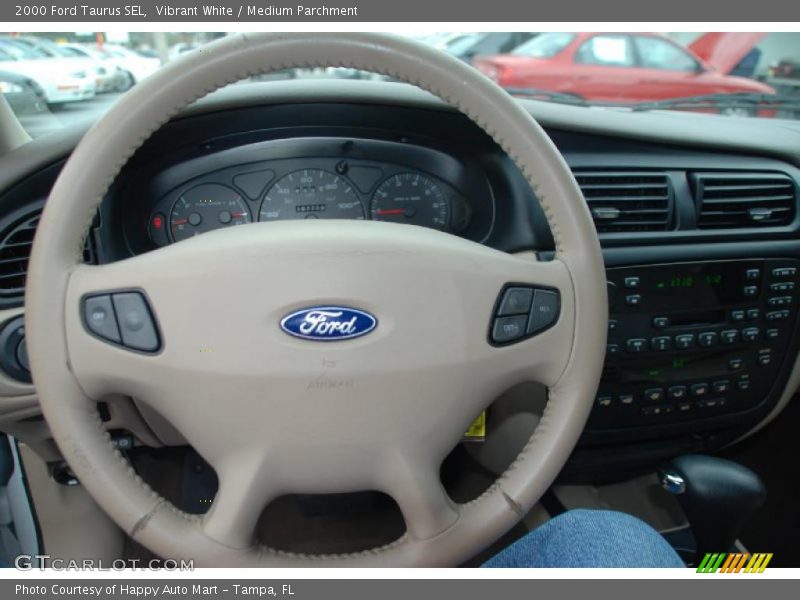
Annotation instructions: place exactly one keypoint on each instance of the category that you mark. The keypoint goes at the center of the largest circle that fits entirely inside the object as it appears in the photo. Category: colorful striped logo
(734, 563)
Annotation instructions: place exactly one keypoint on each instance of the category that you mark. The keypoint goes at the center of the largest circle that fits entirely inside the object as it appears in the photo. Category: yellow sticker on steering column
(476, 431)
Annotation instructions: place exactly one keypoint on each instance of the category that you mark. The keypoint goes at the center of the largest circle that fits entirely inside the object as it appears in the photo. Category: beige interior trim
(72, 525)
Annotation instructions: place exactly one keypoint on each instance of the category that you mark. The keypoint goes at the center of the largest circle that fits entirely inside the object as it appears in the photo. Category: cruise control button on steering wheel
(122, 318)
(522, 312)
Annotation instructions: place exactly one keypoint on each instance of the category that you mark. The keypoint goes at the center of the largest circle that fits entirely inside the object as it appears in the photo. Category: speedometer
(411, 198)
(311, 194)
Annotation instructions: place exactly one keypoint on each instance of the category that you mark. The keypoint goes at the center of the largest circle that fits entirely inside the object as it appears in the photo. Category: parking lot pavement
(67, 114)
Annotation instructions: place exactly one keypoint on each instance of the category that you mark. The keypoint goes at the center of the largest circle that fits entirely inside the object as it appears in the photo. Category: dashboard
(698, 221)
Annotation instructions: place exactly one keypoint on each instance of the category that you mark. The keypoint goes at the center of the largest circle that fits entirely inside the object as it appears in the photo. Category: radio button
(773, 333)
(735, 364)
(626, 399)
(612, 349)
(710, 403)
(684, 406)
(633, 300)
(737, 315)
(707, 339)
(636, 345)
(751, 291)
(753, 274)
(779, 301)
(612, 324)
(743, 385)
(753, 314)
(729, 336)
(777, 315)
(604, 401)
(750, 334)
(657, 410)
(721, 387)
(784, 272)
(660, 343)
(660, 322)
(677, 392)
(764, 359)
(684, 341)
(699, 389)
(785, 286)
(654, 394)
(632, 283)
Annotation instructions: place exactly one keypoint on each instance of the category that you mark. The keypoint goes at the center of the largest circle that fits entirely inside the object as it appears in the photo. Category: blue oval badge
(328, 323)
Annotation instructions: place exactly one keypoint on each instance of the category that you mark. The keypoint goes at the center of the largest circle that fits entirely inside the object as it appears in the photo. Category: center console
(694, 341)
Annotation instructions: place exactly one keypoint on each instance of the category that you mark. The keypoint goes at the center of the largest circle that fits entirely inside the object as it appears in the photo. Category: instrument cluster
(424, 189)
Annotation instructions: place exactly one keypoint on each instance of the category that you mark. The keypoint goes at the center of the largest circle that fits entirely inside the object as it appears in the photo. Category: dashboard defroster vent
(728, 200)
(627, 201)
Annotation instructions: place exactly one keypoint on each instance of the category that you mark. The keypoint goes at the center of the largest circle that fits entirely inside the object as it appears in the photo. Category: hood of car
(44, 69)
(724, 51)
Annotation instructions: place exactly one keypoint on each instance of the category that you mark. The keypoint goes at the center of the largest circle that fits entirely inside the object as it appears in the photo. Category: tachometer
(411, 198)
(311, 194)
(206, 207)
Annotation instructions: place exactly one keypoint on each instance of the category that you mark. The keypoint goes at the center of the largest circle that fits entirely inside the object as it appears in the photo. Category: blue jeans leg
(589, 538)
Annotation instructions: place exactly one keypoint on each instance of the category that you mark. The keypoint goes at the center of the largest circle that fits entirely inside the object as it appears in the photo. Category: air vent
(627, 201)
(15, 250)
(739, 200)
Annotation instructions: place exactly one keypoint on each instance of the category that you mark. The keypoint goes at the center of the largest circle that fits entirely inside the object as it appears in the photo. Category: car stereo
(689, 341)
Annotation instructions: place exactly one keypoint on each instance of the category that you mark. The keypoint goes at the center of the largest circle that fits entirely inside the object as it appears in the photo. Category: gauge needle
(236, 215)
(180, 221)
(390, 211)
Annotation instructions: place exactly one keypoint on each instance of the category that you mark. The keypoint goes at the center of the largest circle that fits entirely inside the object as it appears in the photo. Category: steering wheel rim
(71, 368)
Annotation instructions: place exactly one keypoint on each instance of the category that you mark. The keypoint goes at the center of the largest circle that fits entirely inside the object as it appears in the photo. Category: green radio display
(689, 281)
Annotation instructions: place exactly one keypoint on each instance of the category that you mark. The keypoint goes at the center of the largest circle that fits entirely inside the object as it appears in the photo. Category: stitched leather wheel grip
(408, 392)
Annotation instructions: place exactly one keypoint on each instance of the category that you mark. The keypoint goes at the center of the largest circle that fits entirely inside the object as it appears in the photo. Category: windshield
(545, 45)
(20, 51)
(463, 43)
(55, 80)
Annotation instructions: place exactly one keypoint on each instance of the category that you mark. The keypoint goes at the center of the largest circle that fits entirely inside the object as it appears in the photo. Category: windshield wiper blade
(550, 96)
(737, 100)
(744, 100)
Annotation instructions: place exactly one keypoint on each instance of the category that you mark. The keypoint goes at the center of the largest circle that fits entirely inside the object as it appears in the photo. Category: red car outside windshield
(612, 67)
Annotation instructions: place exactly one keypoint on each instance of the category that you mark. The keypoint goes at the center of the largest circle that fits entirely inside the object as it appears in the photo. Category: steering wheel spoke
(244, 490)
(415, 485)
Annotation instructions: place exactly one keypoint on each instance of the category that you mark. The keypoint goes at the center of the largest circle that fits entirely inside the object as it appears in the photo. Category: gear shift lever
(718, 497)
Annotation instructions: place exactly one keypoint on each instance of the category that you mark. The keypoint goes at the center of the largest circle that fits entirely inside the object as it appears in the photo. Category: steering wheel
(277, 414)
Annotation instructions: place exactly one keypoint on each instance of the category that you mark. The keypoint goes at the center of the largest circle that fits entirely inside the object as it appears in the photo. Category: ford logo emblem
(328, 323)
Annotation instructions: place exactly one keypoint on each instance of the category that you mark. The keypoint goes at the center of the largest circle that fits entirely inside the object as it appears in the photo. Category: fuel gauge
(206, 207)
